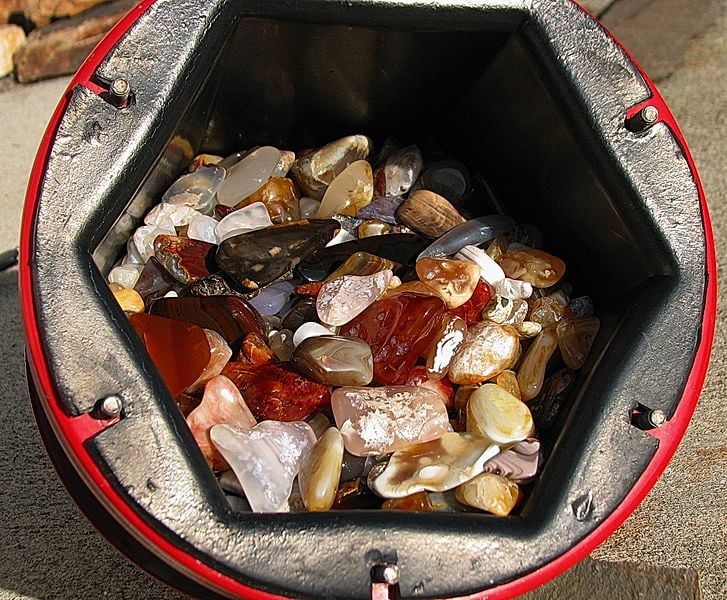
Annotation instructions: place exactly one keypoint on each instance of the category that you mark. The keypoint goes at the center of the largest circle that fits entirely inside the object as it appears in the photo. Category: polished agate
(197, 189)
(445, 345)
(575, 338)
(251, 217)
(362, 263)
(248, 175)
(418, 377)
(519, 463)
(320, 471)
(349, 192)
(453, 280)
(279, 196)
(490, 492)
(221, 403)
(344, 298)
(490, 270)
(533, 266)
(334, 360)
(265, 459)
(438, 465)
(488, 349)
(498, 415)
(531, 372)
(220, 354)
(401, 170)
(377, 420)
(310, 329)
(474, 231)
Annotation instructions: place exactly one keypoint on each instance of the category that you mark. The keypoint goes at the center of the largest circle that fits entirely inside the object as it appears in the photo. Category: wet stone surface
(342, 330)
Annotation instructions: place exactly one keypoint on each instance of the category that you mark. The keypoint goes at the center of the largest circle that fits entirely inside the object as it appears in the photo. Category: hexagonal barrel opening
(533, 98)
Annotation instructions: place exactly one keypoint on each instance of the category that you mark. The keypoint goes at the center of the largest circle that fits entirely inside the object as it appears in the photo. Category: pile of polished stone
(339, 335)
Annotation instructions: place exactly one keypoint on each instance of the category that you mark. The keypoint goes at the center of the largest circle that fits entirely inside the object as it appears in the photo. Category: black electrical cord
(8, 259)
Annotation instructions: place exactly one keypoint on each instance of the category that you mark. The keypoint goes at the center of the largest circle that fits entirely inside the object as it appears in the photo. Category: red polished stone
(274, 392)
(255, 351)
(399, 330)
(418, 376)
(184, 258)
(308, 289)
(179, 350)
(471, 311)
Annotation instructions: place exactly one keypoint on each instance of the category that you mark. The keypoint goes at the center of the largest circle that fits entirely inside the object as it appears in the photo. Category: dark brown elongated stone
(232, 317)
(400, 247)
(155, 281)
(187, 260)
(256, 258)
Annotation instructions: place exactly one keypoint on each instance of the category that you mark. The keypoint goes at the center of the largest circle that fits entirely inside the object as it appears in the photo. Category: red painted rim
(71, 432)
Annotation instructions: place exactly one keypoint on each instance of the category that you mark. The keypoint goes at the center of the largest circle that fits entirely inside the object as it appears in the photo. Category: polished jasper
(179, 350)
(230, 316)
(187, 260)
(399, 329)
(273, 391)
(334, 360)
(259, 257)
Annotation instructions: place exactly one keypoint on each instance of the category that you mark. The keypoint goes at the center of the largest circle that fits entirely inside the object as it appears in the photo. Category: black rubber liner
(530, 95)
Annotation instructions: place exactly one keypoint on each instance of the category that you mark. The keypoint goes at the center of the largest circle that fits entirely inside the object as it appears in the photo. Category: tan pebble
(489, 492)
(129, 300)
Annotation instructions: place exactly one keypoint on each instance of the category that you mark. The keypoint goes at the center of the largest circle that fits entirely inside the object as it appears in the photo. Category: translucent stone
(255, 350)
(202, 228)
(271, 298)
(575, 338)
(281, 342)
(453, 280)
(344, 298)
(319, 424)
(348, 192)
(547, 310)
(274, 391)
(418, 377)
(265, 459)
(507, 380)
(497, 247)
(308, 207)
(377, 420)
(498, 415)
(252, 217)
(179, 350)
(220, 354)
(446, 342)
(399, 329)
(410, 287)
(534, 266)
(402, 169)
(248, 175)
(418, 502)
(372, 227)
(145, 235)
(471, 310)
(204, 160)
(490, 271)
(488, 349)
(287, 158)
(474, 231)
(437, 465)
(279, 196)
(129, 300)
(320, 471)
(133, 256)
(334, 360)
(505, 311)
(489, 492)
(196, 190)
(314, 171)
(528, 329)
(520, 463)
(309, 329)
(355, 494)
(222, 403)
(531, 372)
(513, 288)
(362, 263)
(180, 216)
(155, 281)
(125, 275)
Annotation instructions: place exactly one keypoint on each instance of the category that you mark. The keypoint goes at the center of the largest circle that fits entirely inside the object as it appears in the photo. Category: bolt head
(111, 406)
(120, 87)
(650, 114)
(657, 417)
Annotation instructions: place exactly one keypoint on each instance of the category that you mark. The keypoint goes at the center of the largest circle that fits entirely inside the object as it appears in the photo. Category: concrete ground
(673, 547)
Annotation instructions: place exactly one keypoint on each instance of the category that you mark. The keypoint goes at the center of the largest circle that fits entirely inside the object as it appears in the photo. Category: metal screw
(643, 119)
(648, 418)
(385, 573)
(110, 407)
(119, 92)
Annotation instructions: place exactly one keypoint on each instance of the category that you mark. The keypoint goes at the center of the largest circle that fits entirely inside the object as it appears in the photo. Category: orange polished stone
(179, 350)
